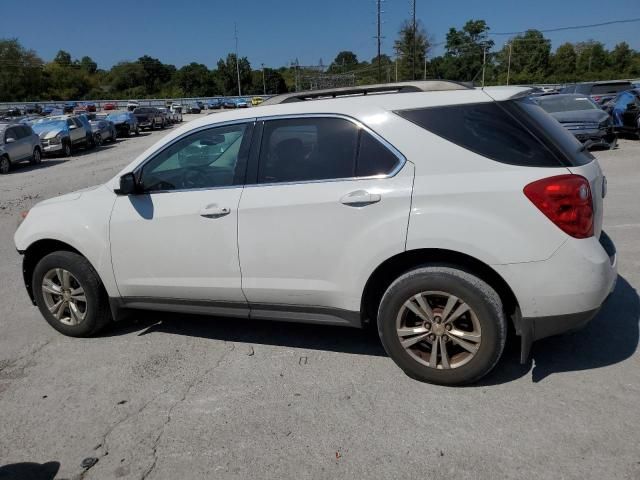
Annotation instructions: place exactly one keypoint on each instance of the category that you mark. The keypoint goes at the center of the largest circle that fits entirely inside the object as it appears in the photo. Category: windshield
(118, 117)
(143, 110)
(48, 126)
(555, 104)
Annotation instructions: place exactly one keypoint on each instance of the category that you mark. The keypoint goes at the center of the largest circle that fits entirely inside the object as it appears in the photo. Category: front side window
(210, 158)
(11, 134)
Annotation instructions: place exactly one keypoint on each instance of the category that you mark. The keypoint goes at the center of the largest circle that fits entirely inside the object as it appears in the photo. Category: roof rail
(400, 87)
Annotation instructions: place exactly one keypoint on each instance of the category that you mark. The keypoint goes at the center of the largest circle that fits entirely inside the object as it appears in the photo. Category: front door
(177, 240)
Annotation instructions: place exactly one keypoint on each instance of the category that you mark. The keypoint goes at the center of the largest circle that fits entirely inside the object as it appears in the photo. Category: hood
(581, 116)
(67, 197)
(51, 133)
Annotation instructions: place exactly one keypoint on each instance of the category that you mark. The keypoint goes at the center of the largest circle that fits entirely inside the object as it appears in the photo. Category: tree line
(468, 52)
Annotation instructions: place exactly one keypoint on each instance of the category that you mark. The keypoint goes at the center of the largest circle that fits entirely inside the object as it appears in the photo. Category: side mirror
(128, 184)
(10, 140)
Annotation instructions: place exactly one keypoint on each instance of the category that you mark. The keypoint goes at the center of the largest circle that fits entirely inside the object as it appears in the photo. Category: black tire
(67, 151)
(162, 125)
(98, 140)
(5, 165)
(137, 130)
(98, 313)
(153, 126)
(477, 294)
(36, 157)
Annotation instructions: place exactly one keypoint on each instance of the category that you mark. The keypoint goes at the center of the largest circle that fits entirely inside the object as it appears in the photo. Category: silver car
(18, 143)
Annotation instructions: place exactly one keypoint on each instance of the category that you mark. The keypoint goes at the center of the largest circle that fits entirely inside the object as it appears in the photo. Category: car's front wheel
(442, 325)
(70, 295)
(5, 165)
(66, 149)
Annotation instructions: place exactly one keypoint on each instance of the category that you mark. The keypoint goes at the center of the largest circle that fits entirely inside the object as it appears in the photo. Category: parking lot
(175, 396)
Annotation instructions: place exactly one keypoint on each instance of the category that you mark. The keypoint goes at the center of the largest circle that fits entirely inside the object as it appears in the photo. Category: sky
(277, 32)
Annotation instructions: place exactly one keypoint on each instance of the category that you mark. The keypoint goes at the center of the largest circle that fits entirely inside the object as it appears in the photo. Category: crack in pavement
(185, 394)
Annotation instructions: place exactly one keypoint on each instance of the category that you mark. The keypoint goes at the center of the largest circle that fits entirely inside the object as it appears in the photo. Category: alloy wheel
(4, 165)
(37, 156)
(438, 330)
(64, 296)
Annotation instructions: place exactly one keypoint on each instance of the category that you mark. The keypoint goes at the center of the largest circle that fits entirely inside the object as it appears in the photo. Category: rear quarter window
(486, 129)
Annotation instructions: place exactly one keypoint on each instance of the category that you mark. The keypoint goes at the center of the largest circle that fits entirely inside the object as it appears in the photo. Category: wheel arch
(36, 252)
(393, 267)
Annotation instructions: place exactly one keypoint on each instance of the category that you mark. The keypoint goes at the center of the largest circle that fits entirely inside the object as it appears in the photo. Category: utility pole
(413, 48)
(264, 83)
(509, 64)
(235, 29)
(484, 62)
(425, 67)
(379, 38)
(396, 68)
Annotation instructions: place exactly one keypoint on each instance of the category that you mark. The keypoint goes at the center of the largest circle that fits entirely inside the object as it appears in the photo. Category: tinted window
(304, 149)
(486, 129)
(609, 88)
(210, 158)
(373, 157)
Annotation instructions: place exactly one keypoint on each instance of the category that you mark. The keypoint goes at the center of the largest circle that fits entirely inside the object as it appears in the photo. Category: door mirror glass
(128, 184)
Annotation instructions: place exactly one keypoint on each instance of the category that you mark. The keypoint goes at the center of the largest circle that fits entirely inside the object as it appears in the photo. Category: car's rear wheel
(5, 165)
(442, 325)
(36, 158)
(70, 295)
(98, 139)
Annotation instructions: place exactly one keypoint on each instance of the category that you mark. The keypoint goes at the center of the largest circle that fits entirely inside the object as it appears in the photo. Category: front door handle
(214, 211)
(360, 198)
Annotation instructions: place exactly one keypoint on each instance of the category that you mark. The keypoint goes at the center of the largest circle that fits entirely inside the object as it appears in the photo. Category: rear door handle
(214, 211)
(360, 198)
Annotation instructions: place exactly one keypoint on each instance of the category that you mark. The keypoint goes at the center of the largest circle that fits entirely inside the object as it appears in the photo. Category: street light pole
(484, 62)
(509, 64)
(264, 83)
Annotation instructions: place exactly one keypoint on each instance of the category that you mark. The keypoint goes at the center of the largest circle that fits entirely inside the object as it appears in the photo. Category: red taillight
(566, 201)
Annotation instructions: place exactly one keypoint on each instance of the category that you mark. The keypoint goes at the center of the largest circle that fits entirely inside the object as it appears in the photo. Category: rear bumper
(562, 293)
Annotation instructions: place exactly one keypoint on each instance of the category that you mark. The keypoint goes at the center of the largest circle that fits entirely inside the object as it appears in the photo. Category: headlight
(55, 140)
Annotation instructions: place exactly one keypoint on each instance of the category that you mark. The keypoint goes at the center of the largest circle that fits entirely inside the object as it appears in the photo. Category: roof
(400, 87)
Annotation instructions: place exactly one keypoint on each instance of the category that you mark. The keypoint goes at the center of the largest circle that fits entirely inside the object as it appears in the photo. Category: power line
(573, 27)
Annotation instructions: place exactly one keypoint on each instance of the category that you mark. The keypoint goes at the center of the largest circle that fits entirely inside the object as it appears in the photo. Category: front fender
(80, 220)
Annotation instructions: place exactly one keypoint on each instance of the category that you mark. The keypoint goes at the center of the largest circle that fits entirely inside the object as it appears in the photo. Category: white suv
(438, 212)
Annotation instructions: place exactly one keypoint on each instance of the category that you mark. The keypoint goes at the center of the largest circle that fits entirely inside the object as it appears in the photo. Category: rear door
(327, 200)
(14, 144)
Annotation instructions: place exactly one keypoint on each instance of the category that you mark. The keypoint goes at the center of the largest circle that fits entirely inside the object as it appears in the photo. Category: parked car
(600, 92)
(149, 117)
(60, 135)
(583, 117)
(242, 103)
(500, 222)
(194, 108)
(18, 143)
(48, 109)
(625, 110)
(69, 107)
(214, 104)
(126, 123)
(103, 131)
(33, 109)
(176, 109)
(229, 103)
(255, 101)
(86, 126)
(166, 115)
(131, 106)
(110, 106)
(90, 107)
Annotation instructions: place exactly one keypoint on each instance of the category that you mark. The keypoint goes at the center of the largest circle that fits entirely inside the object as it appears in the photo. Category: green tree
(411, 50)
(621, 58)
(88, 65)
(62, 58)
(464, 51)
(228, 76)
(563, 64)
(21, 76)
(592, 62)
(344, 61)
(530, 54)
(195, 80)
(156, 74)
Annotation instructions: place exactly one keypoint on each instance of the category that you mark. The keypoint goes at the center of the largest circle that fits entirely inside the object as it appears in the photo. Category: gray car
(18, 143)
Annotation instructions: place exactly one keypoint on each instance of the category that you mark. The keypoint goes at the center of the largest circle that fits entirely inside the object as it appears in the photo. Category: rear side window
(305, 149)
(373, 157)
(486, 129)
